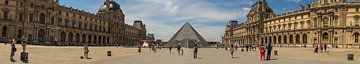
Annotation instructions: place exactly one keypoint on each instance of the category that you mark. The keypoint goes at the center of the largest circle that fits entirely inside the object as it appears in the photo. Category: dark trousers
(268, 56)
(195, 54)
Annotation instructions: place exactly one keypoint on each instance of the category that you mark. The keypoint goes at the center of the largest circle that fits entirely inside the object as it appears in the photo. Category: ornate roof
(109, 5)
(261, 6)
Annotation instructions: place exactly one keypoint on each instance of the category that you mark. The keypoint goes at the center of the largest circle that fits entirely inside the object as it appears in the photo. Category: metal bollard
(350, 57)
(109, 53)
(275, 52)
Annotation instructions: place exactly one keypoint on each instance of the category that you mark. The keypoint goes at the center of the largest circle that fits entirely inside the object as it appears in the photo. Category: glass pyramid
(187, 36)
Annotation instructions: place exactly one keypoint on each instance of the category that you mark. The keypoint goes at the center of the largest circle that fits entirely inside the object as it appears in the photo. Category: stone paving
(221, 56)
(71, 54)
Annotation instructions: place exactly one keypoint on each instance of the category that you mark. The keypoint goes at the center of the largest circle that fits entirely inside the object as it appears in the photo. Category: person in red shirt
(262, 51)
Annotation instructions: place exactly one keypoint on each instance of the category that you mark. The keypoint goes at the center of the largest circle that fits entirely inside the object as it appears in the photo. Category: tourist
(217, 46)
(170, 48)
(139, 49)
(13, 50)
(232, 51)
(325, 47)
(269, 48)
(86, 51)
(321, 47)
(262, 51)
(316, 48)
(195, 50)
(23, 43)
(247, 48)
(178, 48)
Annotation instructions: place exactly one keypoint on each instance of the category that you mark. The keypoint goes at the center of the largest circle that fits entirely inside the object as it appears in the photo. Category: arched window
(326, 21)
(42, 18)
(4, 31)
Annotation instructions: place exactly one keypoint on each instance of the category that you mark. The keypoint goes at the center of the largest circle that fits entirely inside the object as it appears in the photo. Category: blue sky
(165, 17)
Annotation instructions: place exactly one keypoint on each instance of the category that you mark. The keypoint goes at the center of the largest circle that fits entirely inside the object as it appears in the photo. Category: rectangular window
(5, 14)
(21, 17)
(6, 2)
(52, 20)
(357, 9)
(31, 17)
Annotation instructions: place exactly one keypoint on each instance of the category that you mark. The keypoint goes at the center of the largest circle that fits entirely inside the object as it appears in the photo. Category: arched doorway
(297, 37)
(71, 37)
(291, 39)
(41, 35)
(325, 38)
(304, 38)
(62, 37)
(77, 38)
(42, 18)
(285, 39)
(279, 40)
(274, 42)
(83, 38)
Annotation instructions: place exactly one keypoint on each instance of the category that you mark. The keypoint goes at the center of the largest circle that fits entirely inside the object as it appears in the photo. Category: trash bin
(109, 53)
(275, 52)
(24, 57)
(350, 57)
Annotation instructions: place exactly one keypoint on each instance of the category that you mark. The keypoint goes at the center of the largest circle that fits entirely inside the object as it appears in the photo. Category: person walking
(269, 48)
(86, 51)
(178, 48)
(195, 50)
(13, 50)
(232, 51)
(139, 49)
(170, 48)
(262, 51)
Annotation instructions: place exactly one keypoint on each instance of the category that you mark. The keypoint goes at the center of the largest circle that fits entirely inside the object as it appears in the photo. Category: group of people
(321, 48)
(13, 48)
(180, 51)
(265, 48)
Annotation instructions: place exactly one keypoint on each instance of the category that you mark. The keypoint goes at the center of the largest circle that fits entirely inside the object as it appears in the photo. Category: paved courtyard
(221, 56)
(71, 54)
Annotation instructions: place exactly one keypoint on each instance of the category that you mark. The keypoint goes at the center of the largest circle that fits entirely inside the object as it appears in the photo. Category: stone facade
(45, 22)
(332, 22)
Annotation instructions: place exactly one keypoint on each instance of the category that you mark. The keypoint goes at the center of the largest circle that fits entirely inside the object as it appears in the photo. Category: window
(6, 2)
(356, 18)
(59, 21)
(21, 17)
(5, 14)
(357, 9)
(42, 18)
(31, 17)
(52, 22)
(356, 37)
(4, 31)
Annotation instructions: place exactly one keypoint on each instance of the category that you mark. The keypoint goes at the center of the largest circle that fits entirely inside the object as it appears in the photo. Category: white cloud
(165, 17)
(295, 0)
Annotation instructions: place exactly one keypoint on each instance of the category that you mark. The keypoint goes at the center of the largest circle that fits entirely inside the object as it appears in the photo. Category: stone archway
(304, 39)
(297, 39)
(41, 35)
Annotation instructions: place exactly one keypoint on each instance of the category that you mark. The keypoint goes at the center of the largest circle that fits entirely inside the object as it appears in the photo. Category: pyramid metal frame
(172, 41)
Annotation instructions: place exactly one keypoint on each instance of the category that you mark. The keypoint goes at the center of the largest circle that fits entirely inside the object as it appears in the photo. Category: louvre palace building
(332, 22)
(46, 22)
